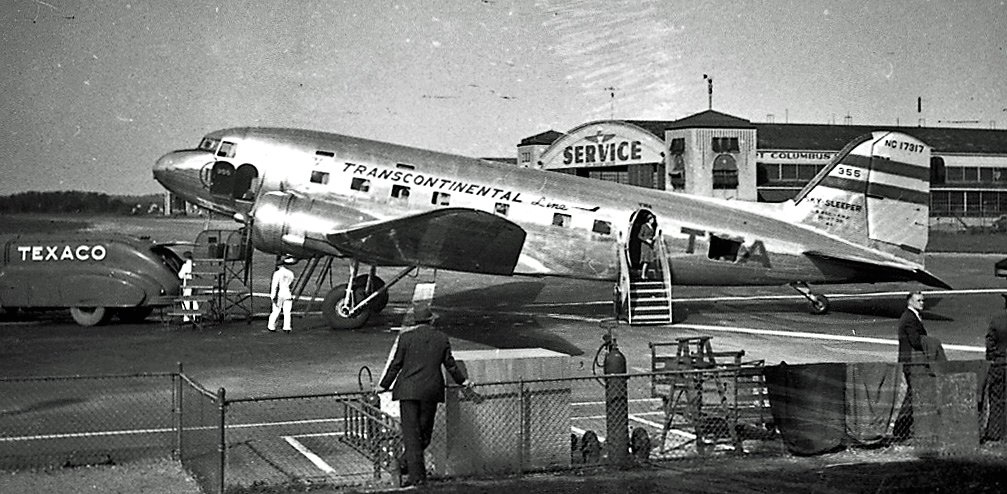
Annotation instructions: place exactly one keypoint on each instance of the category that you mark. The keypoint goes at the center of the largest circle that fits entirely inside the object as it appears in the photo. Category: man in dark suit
(996, 379)
(911, 333)
(416, 362)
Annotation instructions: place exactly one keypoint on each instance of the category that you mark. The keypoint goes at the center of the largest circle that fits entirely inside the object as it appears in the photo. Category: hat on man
(288, 260)
(423, 315)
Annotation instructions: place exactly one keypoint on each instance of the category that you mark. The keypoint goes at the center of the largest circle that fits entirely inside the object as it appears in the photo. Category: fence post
(177, 402)
(522, 426)
(221, 400)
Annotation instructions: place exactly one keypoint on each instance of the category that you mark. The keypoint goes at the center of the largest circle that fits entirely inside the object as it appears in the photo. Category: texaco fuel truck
(95, 275)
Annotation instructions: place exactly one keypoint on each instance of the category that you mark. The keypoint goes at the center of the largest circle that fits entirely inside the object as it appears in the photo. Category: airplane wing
(879, 269)
(457, 239)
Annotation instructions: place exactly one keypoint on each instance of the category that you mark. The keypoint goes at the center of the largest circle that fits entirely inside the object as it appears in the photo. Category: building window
(971, 174)
(954, 174)
(725, 172)
(501, 208)
(560, 219)
(806, 172)
(602, 227)
(677, 174)
(361, 184)
(400, 192)
(318, 177)
(441, 199)
(525, 157)
(677, 145)
(726, 145)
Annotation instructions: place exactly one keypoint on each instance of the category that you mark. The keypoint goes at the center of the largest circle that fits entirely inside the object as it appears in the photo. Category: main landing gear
(349, 305)
(819, 304)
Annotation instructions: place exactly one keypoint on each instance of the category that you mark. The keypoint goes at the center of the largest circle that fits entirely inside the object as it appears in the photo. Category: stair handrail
(623, 286)
(665, 262)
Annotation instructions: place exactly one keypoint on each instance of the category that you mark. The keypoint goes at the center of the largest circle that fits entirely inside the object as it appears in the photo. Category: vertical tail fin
(876, 193)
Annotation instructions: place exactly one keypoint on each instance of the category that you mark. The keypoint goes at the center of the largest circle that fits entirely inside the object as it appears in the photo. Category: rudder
(876, 193)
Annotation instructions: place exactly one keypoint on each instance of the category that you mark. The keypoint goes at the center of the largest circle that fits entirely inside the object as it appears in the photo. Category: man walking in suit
(911, 333)
(996, 379)
(415, 368)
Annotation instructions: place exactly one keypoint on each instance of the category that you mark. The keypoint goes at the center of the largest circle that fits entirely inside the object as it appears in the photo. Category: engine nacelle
(290, 224)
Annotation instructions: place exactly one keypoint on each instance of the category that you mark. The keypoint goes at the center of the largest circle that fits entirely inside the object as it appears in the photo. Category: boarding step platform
(717, 398)
(649, 303)
(221, 279)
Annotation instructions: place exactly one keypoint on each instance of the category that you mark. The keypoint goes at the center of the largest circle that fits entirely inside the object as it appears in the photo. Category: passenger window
(501, 208)
(226, 149)
(404, 166)
(602, 227)
(441, 199)
(320, 177)
(361, 184)
(560, 219)
(400, 191)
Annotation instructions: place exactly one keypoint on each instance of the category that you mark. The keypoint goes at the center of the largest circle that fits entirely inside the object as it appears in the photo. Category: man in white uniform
(279, 293)
(185, 274)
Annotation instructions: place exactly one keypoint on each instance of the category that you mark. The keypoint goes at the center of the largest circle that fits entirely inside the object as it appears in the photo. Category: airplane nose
(164, 165)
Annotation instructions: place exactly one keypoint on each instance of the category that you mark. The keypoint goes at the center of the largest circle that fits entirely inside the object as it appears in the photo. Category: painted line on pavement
(310, 455)
(813, 336)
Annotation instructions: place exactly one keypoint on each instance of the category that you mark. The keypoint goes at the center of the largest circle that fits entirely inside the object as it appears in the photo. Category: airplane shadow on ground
(484, 316)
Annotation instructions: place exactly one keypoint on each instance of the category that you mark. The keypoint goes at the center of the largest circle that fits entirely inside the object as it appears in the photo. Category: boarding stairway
(221, 279)
(645, 298)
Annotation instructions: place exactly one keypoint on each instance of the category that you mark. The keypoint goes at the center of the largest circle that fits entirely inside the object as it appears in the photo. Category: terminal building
(719, 155)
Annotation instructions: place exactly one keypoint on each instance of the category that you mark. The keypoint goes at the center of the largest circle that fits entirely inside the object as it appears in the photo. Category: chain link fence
(353, 440)
(78, 420)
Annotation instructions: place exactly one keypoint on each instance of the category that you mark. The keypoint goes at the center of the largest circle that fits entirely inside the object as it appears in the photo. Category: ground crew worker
(280, 294)
(185, 274)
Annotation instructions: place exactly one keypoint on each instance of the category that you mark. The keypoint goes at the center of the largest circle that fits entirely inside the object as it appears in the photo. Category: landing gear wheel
(378, 304)
(90, 316)
(133, 315)
(336, 312)
(819, 304)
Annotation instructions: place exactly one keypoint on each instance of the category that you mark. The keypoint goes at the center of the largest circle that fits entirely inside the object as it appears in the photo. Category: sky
(94, 91)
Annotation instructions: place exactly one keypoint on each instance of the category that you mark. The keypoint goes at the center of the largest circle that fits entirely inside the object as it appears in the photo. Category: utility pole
(709, 89)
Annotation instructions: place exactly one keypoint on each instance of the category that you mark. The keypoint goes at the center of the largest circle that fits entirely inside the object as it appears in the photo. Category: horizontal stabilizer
(881, 271)
(457, 239)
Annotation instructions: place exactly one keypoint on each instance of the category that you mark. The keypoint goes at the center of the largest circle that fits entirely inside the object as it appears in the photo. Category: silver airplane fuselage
(575, 226)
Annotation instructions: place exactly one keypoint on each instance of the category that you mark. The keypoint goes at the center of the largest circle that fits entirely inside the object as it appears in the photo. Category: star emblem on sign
(599, 137)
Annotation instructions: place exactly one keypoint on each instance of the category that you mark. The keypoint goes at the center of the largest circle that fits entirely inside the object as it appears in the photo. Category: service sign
(59, 253)
(603, 144)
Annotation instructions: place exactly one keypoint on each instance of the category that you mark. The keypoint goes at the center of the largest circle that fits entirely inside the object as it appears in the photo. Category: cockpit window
(209, 144)
(226, 149)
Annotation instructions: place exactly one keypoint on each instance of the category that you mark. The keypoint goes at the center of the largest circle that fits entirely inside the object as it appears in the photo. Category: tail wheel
(133, 314)
(336, 312)
(819, 304)
(90, 316)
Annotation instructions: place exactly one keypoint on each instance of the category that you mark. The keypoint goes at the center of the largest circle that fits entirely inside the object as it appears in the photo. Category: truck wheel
(133, 314)
(90, 316)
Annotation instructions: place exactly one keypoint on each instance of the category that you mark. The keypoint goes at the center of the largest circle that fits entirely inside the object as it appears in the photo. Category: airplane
(862, 219)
